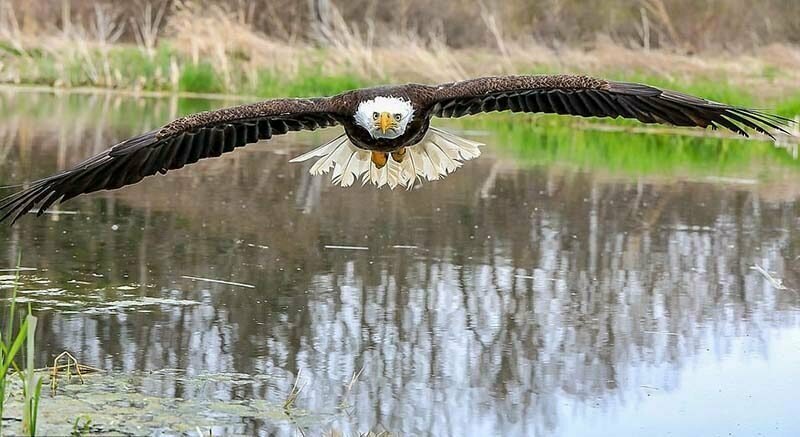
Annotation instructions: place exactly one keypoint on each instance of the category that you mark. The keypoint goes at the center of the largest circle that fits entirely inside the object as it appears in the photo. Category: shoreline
(763, 77)
(44, 89)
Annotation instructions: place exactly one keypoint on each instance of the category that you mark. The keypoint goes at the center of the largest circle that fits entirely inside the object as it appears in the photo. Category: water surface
(568, 282)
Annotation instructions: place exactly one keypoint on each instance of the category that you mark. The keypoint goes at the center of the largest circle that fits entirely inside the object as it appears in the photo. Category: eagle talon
(379, 159)
(399, 154)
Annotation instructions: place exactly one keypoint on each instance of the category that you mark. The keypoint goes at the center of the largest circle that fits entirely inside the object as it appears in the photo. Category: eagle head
(384, 117)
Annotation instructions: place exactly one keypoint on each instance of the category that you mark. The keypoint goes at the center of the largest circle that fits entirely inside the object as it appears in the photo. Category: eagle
(388, 139)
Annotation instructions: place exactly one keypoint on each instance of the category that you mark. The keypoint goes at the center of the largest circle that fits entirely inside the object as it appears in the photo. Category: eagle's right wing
(591, 97)
(183, 141)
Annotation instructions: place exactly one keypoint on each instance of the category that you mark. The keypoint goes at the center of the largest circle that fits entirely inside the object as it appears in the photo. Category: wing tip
(759, 121)
(42, 193)
(734, 118)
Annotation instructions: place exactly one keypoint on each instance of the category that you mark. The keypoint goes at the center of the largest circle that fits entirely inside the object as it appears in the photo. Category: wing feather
(183, 141)
(591, 97)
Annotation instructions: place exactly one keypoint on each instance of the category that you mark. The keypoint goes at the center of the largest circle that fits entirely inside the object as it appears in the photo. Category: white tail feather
(330, 153)
(347, 171)
(467, 149)
(437, 155)
(322, 150)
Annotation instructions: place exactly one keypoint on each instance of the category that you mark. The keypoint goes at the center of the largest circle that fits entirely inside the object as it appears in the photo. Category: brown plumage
(210, 134)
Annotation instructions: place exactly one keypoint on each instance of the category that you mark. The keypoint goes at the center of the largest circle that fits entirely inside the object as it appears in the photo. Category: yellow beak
(386, 122)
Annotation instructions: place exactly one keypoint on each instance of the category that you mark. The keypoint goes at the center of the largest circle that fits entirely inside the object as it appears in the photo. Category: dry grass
(197, 41)
(147, 25)
(70, 365)
(221, 35)
(713, 24)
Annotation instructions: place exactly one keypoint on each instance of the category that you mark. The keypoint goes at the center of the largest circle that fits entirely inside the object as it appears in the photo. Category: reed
(219, 47)
(11, 343)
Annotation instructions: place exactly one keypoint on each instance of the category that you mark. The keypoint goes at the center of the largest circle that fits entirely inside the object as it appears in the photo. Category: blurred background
(280, 47)
(583, 276)
(679, 24)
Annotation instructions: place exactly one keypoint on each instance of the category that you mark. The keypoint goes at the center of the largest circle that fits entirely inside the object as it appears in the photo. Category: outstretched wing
(591, 97)
(183, 141)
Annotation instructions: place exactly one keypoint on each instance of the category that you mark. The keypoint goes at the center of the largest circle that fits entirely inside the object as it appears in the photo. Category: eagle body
(360, 138)
(388, 139)
(418, 95)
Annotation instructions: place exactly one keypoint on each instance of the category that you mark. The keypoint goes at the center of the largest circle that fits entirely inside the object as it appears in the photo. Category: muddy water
(523, 295)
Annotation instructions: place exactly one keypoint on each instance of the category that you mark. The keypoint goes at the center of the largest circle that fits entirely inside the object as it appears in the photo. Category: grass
(133, 71)
(200, 78)
(168, 71)
(212, 51)
(11, 344)
(308, 83)
(32, 388)
(289, 403)
(621, 149)
(789, 106)
(82, 425)
(215, 49)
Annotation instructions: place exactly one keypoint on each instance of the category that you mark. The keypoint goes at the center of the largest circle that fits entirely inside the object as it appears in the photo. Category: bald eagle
(387, 139)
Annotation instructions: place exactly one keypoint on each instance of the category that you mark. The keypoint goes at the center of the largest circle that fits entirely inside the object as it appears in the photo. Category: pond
(578, 277)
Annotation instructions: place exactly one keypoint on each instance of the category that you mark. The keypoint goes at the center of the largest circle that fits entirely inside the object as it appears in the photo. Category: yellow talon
(399, 154)
(379, 159)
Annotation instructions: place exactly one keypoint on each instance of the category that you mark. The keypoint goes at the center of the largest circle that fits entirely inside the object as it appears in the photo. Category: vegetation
(726, 50)
(11, 344)
(637, 23)
(631, 150)
(279, 50)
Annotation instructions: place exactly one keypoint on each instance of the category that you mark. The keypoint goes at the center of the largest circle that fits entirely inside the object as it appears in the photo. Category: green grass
(200, 78)
(547, 140)
(11, 343)
(317, 84)
(130, 68)
(718, 89)
(715, 88)
(136, 68)
(788, 106)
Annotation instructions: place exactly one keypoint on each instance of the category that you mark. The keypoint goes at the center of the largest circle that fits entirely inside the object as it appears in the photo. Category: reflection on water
(508, 299)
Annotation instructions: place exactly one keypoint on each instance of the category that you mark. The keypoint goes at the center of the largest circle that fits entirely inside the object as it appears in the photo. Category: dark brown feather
(591, 97)
(183, 141)
(209, 134)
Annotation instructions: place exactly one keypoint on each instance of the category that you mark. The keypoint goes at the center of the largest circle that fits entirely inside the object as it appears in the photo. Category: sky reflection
(508, 299)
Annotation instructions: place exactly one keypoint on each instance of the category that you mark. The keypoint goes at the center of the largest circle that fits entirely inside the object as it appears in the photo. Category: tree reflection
(481, 302)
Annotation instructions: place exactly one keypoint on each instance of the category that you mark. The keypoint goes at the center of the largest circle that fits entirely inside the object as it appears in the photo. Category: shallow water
(568, 282)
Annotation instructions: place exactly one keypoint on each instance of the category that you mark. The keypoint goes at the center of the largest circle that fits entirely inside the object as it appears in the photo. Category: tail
(437, 155)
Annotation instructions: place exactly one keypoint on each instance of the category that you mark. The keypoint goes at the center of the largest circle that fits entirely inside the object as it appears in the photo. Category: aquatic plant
(11, 343)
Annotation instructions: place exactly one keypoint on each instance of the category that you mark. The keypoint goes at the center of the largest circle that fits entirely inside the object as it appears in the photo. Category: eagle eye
(397, 117)
(375, 115)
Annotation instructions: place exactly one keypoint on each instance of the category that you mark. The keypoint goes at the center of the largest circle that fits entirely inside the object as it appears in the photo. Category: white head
(385, 117)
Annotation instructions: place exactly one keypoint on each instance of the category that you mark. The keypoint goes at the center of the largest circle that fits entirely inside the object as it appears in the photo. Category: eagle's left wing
(181, 142)
(591, 97)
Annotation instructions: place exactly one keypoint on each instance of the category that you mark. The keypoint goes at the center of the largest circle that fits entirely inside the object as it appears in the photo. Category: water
(543, 289)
